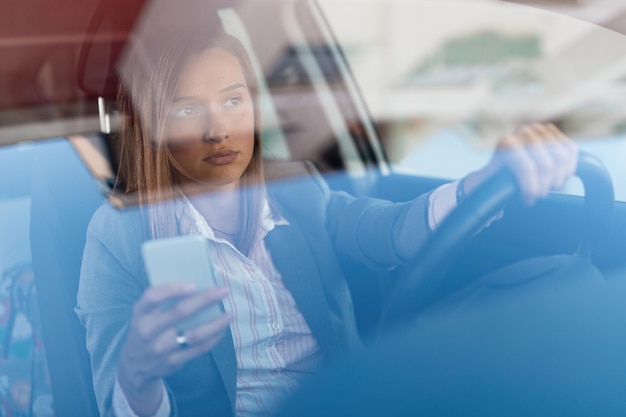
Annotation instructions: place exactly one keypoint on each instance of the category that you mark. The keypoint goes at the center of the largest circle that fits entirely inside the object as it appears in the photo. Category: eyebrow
(223, 90)
(232, 87)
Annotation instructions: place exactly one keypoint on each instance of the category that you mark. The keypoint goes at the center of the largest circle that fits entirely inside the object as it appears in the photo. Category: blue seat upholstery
(64, 197)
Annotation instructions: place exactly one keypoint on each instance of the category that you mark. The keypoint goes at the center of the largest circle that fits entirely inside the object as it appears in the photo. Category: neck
(220, 209)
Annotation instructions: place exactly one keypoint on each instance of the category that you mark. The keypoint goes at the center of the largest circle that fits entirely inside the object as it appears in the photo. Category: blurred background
(444, 79)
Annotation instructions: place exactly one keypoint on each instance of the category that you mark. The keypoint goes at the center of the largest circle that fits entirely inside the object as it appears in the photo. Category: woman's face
(210, 126)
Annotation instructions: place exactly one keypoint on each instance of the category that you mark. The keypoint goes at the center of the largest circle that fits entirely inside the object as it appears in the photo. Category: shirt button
(275, 325)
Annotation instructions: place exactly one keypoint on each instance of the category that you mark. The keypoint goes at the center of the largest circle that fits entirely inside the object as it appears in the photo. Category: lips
(222, 157)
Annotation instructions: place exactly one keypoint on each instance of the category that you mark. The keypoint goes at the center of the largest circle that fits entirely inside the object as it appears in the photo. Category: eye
(185, 112)
(233, 101)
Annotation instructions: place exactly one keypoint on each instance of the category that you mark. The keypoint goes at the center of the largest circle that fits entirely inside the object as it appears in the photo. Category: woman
(191, 155)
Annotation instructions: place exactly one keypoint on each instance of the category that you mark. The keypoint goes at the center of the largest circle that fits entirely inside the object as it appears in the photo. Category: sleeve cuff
(441, 202)
(123, 409)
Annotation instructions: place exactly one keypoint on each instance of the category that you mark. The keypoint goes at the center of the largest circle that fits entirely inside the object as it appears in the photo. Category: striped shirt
(273, 344)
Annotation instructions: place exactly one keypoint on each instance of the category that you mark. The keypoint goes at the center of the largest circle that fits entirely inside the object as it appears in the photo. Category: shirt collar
(191, 221)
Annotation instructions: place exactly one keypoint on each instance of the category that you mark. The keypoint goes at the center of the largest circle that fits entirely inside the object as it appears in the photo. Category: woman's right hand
(151, 350)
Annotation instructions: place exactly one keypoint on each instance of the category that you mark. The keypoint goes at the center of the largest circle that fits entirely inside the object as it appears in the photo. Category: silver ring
(181, 341)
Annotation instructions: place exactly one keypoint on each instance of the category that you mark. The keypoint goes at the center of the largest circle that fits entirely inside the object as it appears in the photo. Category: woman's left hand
(540, 157)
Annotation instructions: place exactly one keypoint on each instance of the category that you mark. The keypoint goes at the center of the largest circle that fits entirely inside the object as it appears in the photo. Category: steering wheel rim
(426, 281)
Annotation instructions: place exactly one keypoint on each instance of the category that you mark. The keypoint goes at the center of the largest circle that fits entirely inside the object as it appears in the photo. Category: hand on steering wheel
(425, 281)
(540, 157)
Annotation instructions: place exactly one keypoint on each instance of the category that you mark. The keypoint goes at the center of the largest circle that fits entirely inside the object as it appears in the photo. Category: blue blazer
(323, 227)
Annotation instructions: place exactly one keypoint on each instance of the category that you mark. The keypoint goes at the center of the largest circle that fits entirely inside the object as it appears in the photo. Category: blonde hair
(144, 97)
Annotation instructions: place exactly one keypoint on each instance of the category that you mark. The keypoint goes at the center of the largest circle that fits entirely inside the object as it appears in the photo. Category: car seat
(64, 197)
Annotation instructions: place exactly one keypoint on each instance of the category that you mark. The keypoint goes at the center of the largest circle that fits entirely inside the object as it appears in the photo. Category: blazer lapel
(224, 356)
(292, 256)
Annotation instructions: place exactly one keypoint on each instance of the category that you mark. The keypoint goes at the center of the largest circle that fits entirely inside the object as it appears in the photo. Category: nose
(216, 133)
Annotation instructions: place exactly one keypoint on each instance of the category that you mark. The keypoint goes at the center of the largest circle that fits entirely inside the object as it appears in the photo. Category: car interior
(58, 154)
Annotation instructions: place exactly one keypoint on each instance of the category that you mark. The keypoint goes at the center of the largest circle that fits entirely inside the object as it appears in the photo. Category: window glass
(23, 366)
(444, 80)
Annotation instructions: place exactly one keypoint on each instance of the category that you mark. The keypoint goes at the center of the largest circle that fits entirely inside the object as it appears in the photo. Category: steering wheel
(426, 282)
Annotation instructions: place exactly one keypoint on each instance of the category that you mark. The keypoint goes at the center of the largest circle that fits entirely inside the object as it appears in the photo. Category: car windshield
(334, 161)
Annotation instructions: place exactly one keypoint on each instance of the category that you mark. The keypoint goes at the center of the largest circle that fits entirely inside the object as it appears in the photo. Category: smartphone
(182, 258)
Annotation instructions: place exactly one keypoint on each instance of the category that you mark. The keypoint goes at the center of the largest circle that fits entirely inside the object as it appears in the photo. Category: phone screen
(182, 259)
